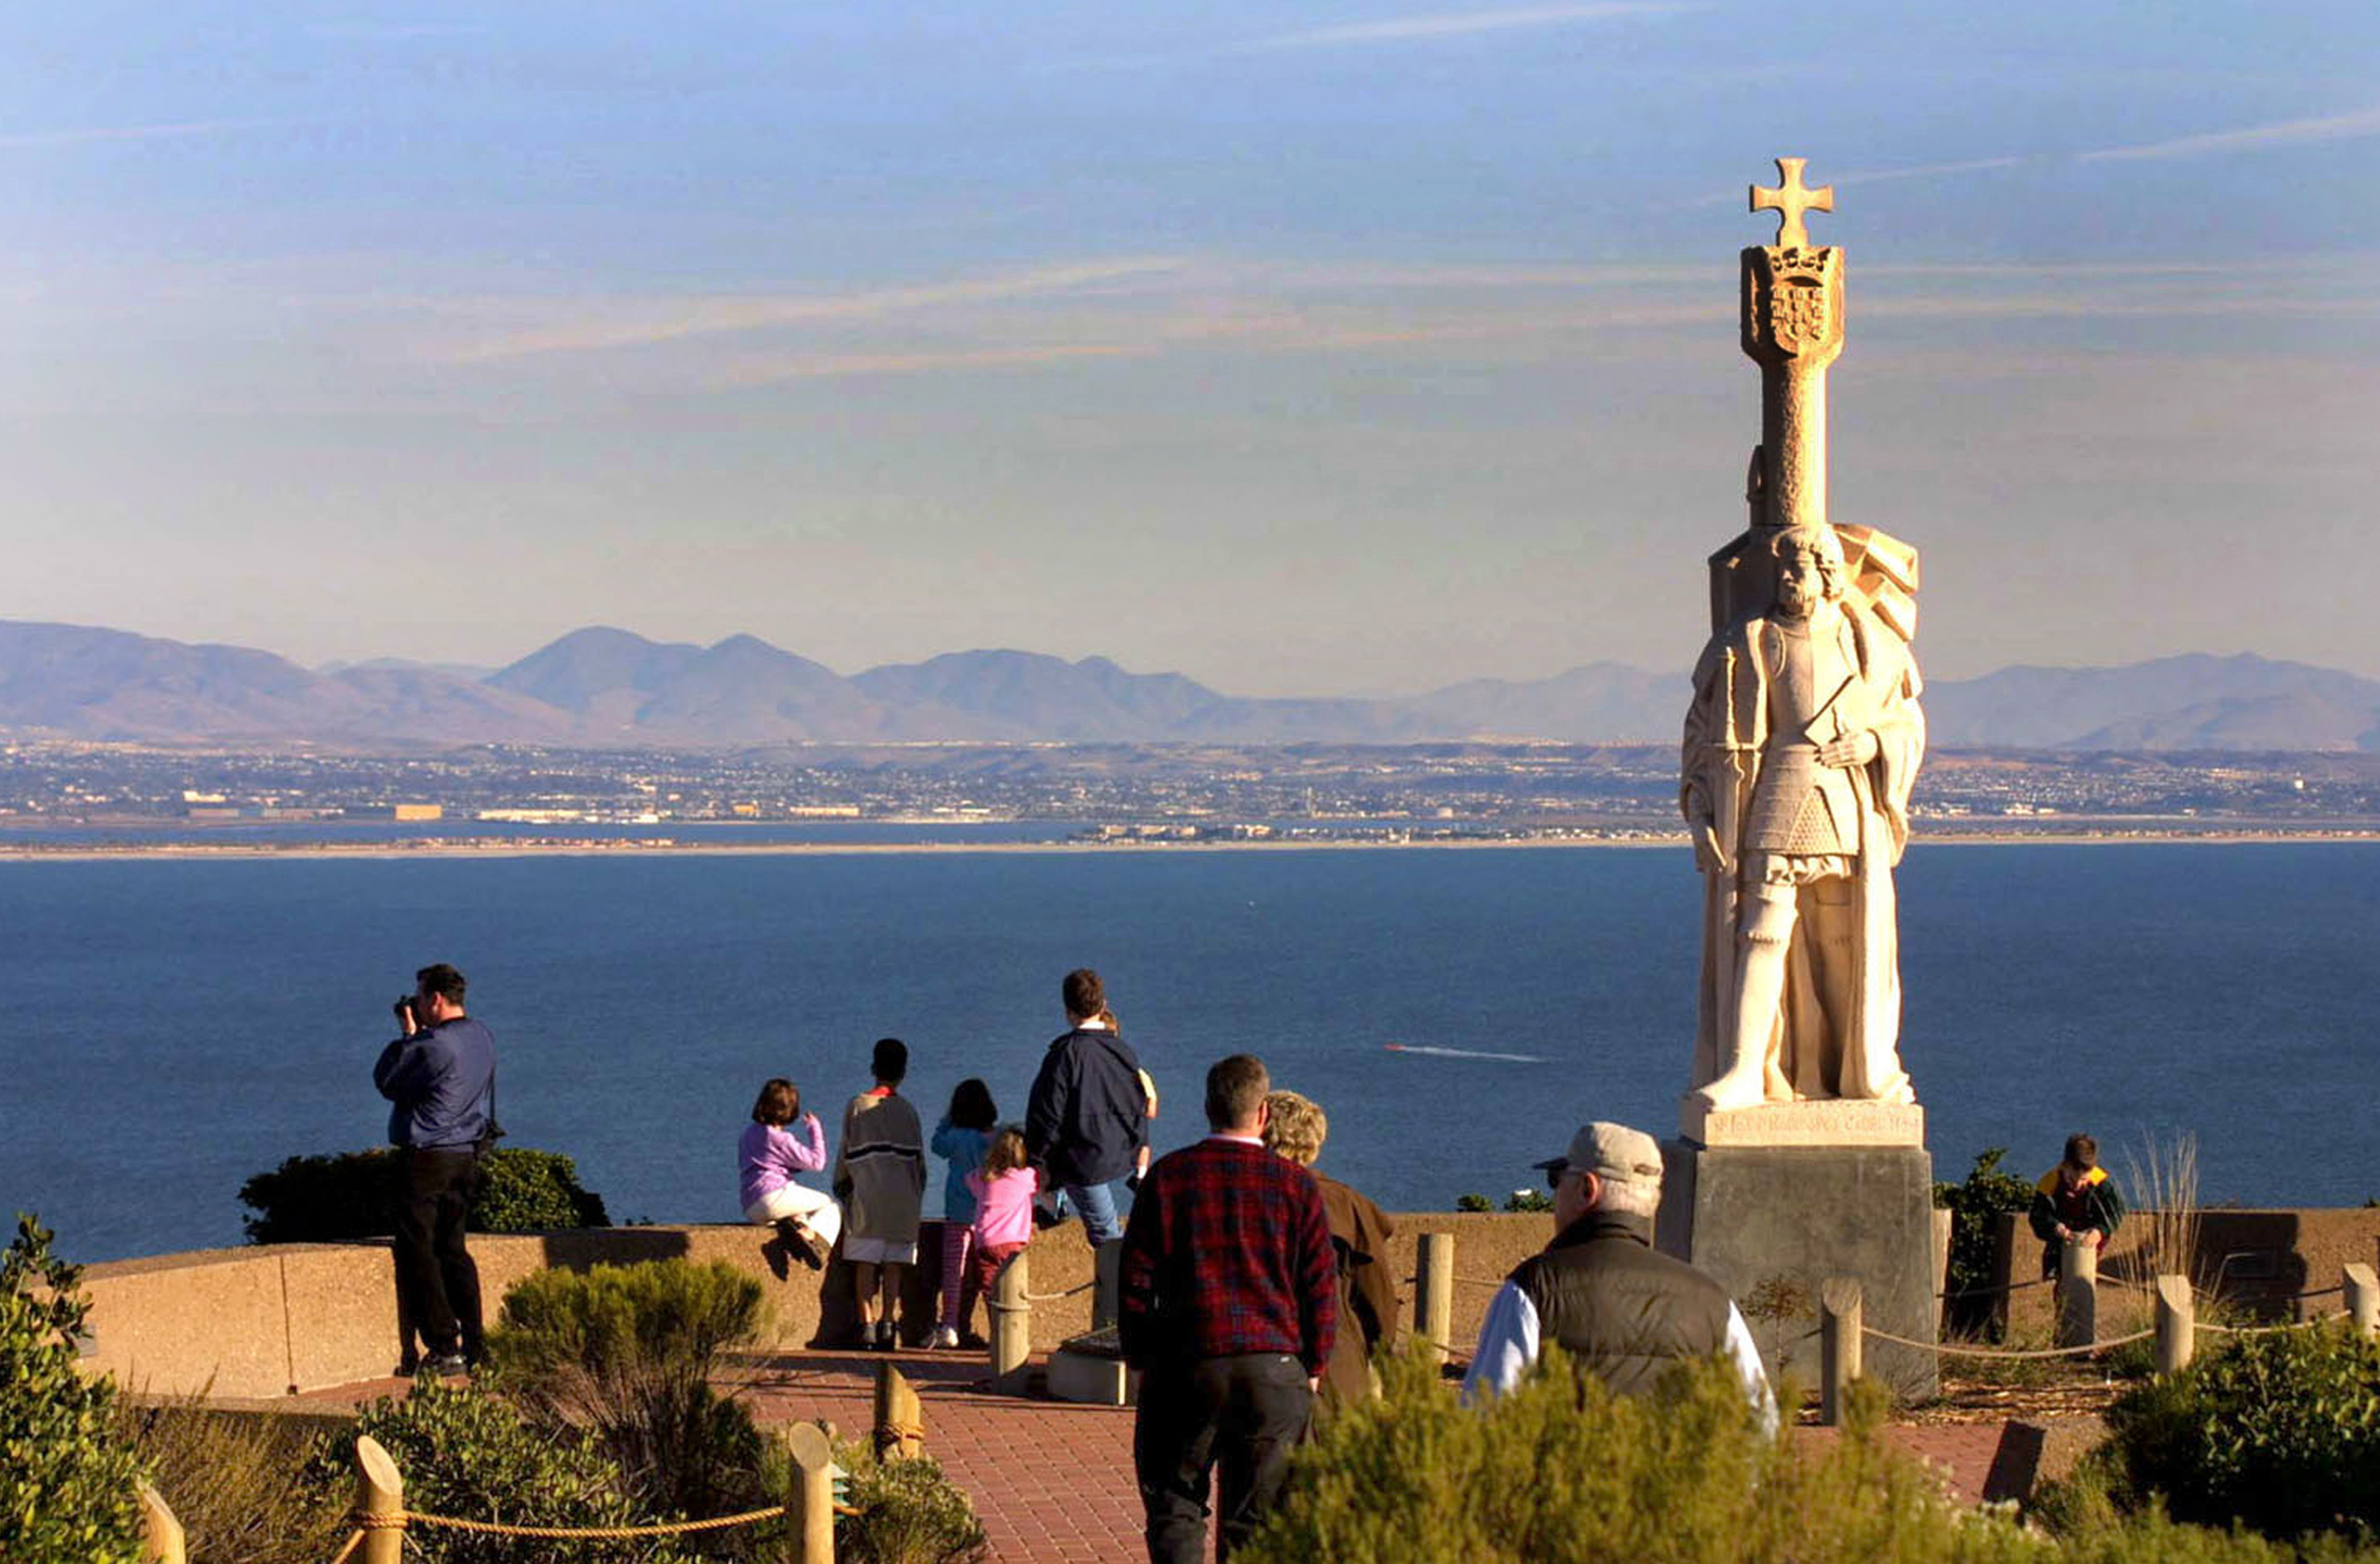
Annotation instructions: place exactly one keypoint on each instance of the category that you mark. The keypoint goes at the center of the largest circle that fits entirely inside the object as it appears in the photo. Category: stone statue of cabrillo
(1804, 735)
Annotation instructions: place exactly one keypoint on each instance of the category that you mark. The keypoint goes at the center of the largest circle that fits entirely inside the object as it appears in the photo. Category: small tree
(1975, 1207)
(69, 1483)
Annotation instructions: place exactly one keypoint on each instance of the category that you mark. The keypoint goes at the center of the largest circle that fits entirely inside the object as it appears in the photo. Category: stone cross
(1790, 200)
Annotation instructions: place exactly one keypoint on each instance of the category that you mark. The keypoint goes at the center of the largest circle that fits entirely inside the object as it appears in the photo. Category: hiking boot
(799, 1240)
(887, 1337)
(443, 1366)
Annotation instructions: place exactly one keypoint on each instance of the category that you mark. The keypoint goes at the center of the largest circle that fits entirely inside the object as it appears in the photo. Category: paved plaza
(1052, 1482)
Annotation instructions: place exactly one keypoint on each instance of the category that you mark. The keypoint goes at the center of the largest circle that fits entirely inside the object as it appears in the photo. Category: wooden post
(379, 1491)
(1943, 1219)
(1434, 1292)
(2363, 1297)
(161, 1534)
(2006, 1246)
(809, 1495)
(1106, 1282)
(1012, 1325)
(2177, 1324)
(899, 1420)
(1841, 1327)
(2078, 1293)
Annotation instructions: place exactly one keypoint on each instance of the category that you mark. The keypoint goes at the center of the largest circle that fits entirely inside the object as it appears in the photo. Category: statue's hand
(1709, 856)
(1852, 749)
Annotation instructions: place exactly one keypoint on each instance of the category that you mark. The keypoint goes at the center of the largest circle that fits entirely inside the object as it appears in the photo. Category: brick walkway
(1052, 1482)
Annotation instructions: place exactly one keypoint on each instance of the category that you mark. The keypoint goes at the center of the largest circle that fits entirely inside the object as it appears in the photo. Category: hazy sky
(1345, 347)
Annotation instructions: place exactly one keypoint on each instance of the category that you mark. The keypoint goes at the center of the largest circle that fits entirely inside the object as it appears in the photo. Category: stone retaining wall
(2257, 1262)
(274, 1319)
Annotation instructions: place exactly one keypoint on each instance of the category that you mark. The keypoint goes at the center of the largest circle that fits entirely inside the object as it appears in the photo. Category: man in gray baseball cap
(1621, 1308)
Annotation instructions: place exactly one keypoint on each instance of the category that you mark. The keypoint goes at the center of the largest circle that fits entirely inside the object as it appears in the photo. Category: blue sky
(1353, 346)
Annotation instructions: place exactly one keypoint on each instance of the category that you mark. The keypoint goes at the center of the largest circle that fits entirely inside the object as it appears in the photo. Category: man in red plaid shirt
(1230, 1300)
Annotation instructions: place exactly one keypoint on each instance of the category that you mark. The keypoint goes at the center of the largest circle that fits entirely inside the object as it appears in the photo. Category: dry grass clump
(2162, 1179)
(230, 1480)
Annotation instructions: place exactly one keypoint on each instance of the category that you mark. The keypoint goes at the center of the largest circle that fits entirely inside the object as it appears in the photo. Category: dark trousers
(1242, 1413)
(437, 1285)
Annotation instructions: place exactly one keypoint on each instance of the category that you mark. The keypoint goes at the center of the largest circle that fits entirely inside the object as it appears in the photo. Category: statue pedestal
(1754, 1200)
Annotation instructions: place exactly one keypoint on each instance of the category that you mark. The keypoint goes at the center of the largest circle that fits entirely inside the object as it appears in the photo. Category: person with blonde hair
(1296, 1128)
(1003, 1190)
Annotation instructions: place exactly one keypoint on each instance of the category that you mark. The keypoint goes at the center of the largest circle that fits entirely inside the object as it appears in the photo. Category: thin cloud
(1457, 24)
(831, 366)
(1926, 170)
(642, 323)
(1879, 176)
(2255, 138)
(123, 133)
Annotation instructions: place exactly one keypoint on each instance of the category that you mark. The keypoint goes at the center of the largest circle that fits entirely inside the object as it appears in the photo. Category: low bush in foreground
(352, 1195)
(627, 1355)
(69, 1481)
(467, 1454)
(1561, 1472)
(2278, 1431)
(905, 1512)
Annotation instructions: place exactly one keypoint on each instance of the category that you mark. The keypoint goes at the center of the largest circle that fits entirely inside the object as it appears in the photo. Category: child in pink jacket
(1003, 1190)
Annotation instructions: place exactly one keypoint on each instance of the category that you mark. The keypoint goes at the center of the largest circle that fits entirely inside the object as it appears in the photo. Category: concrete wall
(275, 1319)
(2259, 1262)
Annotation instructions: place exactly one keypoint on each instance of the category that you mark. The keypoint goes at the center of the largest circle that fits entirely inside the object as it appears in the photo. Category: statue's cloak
(1726, 731)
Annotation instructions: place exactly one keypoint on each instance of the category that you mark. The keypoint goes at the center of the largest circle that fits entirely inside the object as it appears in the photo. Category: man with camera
(440, 1079)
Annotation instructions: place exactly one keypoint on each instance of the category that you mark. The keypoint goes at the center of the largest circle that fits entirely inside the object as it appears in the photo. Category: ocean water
(173, 1026)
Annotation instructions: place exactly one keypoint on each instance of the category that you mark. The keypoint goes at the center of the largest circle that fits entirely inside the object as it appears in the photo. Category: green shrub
(353, 1194)
(467, 1454)
(907, 1512)
(1560, 1469)
(1528, 1200)
(525, 1190)
(69, 1483)
(2279, 1432)
(626, 1354)
(1474, 1203)
(1975, 1207)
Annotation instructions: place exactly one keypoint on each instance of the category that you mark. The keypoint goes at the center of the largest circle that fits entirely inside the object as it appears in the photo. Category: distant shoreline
(203, 852)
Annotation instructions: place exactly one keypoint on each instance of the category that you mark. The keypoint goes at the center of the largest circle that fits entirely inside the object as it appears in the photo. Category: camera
(405, 1010)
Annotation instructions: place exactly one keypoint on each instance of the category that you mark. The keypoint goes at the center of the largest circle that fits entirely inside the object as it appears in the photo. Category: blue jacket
(1088, 1114)
(965, 1150)
(440, 1084)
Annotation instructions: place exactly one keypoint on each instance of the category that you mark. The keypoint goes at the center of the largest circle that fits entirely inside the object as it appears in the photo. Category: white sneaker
(944, 1336)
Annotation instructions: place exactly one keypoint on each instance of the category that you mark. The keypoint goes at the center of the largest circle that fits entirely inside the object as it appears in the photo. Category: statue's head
(1810, 569)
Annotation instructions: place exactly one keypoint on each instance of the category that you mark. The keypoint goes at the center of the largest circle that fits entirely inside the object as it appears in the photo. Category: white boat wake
(1462, 1053)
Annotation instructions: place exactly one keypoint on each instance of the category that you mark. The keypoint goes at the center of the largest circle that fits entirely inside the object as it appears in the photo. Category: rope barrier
(399, 1521)
(1053, 1297)
(2268, 1329)
(2003, 1353)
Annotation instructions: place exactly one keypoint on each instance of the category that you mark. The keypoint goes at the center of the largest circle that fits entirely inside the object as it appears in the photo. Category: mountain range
(601, 687)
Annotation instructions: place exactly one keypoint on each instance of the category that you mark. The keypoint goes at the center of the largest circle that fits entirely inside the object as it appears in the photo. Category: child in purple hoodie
(769, 1155)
